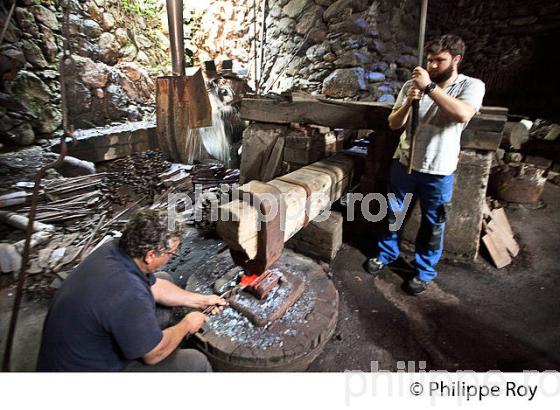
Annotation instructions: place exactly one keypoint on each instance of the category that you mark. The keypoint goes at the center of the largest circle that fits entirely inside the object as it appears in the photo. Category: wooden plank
(497, 249)
(501, 224)
(507, 239)
(307, 109)
(327, 113)
(499, 215)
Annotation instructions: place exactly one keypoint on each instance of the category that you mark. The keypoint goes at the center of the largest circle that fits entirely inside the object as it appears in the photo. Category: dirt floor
(473, 317)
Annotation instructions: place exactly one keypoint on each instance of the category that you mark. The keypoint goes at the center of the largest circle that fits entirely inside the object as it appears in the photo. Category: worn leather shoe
(416, 286)
(374, 266)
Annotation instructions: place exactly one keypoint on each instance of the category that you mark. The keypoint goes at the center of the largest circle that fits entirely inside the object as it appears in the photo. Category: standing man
(103, 318)
(448, 100)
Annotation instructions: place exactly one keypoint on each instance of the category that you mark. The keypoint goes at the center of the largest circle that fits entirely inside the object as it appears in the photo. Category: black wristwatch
(429, 88)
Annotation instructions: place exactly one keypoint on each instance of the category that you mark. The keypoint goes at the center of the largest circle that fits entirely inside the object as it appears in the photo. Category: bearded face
(441, 66)
(442, 76)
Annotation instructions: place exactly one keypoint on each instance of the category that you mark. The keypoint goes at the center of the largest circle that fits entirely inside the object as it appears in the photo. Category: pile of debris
(196, 191)
(528, 157)
(76, 214)
(136, 175)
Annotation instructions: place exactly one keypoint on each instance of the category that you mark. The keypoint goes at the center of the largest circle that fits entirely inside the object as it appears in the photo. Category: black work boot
(416, 286)
(373, 266)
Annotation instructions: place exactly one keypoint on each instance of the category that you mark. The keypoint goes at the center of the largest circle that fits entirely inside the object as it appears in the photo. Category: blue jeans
(434, 193)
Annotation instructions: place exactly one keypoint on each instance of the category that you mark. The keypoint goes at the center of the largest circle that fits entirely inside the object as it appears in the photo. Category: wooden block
(499, 216)
(258, 143)
(306, 145)
(500, 224)
(320, 240)
(273, 164)
(301, 156)
(497, 249)
(515, 134)
(509, 242)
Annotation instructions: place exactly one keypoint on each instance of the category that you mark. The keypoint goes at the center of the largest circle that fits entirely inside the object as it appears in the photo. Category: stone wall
(115, 45)
(219, 30)
(364, 49)
(30, 88)
(357, 49)
(110, 43)
(350, 49)
(512, 46)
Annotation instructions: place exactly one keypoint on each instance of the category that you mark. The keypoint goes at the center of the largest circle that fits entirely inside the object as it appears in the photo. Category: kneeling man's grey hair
(148, 230)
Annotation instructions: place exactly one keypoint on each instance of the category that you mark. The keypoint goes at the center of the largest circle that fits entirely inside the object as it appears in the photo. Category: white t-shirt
(438, 137)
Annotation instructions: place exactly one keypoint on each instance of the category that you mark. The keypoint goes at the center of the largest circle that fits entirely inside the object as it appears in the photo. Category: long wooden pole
(416, 103)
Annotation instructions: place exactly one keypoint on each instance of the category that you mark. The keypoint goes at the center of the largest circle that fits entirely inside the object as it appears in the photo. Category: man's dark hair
(147, 230)
(448, 42)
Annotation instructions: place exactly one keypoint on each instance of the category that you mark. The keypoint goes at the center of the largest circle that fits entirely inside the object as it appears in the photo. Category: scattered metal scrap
(82, 211)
